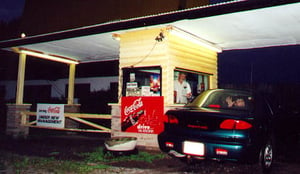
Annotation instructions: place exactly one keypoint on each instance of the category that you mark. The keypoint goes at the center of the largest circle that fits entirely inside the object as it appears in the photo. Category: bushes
(97, 102)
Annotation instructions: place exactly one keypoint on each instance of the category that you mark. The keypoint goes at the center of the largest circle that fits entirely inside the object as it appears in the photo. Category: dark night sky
(269, 65)
(10, 9)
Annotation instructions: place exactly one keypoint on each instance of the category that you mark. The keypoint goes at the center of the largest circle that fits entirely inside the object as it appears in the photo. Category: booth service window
(188, 84)
(142, 81)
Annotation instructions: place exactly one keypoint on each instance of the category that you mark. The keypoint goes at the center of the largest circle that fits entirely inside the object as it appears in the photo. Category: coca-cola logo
(54, 110)
(138, 103)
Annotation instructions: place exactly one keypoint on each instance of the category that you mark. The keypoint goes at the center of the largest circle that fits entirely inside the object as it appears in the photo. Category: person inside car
(239, 102)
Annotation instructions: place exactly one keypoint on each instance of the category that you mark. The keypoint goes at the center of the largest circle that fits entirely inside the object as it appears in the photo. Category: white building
(57, 88)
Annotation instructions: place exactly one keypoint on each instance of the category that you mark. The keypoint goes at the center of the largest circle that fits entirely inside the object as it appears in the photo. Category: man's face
(182, 77)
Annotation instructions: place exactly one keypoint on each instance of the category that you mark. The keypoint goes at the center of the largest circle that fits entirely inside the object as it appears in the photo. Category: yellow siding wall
(140, 49)
(188, 55)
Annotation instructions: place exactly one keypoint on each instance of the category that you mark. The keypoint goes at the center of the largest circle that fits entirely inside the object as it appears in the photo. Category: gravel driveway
(287, 162)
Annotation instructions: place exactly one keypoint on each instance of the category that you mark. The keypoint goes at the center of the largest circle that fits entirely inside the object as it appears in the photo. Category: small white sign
(50, 115)
(131, 85)
(146, 91)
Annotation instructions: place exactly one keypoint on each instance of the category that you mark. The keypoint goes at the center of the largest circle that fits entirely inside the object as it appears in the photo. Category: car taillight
(214, 106)
(169, 144)
(197, 126)
(220, 151)
(172, 119)
(235, 124)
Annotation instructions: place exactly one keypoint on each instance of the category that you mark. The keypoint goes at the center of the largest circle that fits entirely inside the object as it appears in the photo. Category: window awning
(236, 26)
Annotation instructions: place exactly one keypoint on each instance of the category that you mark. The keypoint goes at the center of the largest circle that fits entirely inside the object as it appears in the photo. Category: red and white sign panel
(142, 114)
(50, 115)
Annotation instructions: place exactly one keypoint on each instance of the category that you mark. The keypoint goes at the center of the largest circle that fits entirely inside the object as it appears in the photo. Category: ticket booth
(151, 61)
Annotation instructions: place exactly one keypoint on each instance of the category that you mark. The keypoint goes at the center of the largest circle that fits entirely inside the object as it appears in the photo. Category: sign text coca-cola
(137, 104)
(54, 110)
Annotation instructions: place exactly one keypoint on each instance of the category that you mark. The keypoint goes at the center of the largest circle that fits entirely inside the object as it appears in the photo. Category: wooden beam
(71, 84)
(78, 115)
(21, 78)
(89, 123)
(70, 129)
(32, 123)
(96, 116)
(75, 116)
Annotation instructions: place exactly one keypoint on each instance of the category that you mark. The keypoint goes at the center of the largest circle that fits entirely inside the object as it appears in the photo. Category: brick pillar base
(115, 119)
(75, 108)
(14, 127)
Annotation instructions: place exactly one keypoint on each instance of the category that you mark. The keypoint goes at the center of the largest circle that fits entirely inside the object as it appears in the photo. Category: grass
(91, 161)
(26, 164)
(99, 156)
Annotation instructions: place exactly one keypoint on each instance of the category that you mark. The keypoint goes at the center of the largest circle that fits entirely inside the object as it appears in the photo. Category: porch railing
(78, 117)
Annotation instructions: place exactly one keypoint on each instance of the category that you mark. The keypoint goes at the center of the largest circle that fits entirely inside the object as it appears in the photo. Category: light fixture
(160, 37)
(116, 36)
(193, 38)
(23, 35)
(48, 56)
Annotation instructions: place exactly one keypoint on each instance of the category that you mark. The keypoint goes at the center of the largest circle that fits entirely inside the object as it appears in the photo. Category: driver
(239, 102)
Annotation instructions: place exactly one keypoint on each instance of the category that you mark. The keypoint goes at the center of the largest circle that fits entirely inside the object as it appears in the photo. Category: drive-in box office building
(153, 50)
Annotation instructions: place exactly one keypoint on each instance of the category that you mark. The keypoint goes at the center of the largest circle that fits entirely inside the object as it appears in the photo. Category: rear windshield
(223, 99)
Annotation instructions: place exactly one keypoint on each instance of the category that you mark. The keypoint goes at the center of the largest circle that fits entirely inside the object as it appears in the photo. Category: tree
(10, 29)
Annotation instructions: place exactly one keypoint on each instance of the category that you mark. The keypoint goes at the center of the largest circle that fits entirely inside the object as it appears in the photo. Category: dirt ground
(287, 162)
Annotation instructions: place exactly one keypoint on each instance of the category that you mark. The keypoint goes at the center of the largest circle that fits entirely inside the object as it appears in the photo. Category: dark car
(221, 124)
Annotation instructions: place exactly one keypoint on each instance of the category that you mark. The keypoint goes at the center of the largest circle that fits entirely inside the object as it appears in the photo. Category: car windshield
(224, 99)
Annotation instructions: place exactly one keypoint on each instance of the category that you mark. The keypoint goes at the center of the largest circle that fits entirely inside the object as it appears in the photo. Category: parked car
(222, 124)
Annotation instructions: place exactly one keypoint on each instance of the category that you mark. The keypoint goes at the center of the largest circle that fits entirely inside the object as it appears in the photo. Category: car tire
(266, 157)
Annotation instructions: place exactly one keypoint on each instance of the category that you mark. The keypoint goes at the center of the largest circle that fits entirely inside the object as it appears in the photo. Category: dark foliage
(10, 30)
(97, 102)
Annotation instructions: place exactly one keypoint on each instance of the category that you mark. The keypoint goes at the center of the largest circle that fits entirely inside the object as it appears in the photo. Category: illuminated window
(188, 84)
(144, 81)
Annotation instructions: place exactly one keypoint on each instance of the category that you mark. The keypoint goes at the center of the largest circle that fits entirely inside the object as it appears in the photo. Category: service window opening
(188, 84)
(143, 81)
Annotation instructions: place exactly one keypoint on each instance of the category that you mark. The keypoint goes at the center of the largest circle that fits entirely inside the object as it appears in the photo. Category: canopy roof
(234, 25)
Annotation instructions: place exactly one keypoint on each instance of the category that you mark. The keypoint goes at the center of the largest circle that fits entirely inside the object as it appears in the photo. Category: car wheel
(266, 157)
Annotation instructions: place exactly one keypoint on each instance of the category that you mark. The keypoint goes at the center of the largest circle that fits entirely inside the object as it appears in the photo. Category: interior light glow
(49, 57)
(193, 38)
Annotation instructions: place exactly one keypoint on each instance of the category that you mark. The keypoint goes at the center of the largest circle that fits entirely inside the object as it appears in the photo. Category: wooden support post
(71, 84)
(21, 78)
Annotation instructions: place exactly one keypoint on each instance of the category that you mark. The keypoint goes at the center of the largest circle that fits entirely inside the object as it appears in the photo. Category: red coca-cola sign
(142, 114)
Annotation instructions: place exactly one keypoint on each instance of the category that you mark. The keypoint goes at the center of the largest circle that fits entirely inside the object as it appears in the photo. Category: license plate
(193, 148)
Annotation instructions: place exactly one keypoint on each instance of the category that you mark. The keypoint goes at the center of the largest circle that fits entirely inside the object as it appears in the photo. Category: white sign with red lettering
(50, 115)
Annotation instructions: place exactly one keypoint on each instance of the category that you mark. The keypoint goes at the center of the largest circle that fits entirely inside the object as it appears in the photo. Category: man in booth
(182, 89)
